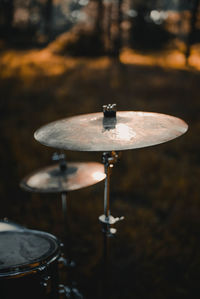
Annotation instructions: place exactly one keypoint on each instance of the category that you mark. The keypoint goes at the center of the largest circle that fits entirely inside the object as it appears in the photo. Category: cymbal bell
(95, 132)
(53, 179)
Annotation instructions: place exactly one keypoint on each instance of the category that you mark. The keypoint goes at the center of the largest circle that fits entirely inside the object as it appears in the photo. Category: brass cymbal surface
(94, 132)
(52, 179)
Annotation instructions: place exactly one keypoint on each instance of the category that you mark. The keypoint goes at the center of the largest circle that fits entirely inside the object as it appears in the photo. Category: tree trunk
(9, 11)
(191, 34)
(117, 43)
(99, 18)
(48, 18)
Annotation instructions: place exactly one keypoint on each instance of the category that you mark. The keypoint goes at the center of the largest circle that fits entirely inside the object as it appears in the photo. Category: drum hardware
(108, 159)
(110, 110)
(29, 264)
(69, 292)
(63, 261)
(109, 119)
(109, 132)
(67, 262)
(61, 159)
(45, 279)
(62, 178)
(6, 224)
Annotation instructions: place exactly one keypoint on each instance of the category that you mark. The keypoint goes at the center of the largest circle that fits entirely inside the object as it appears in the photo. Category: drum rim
(36, 265)
(12, 224)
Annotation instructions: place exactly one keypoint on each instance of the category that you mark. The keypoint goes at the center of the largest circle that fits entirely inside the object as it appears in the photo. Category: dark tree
(48, 17)
(99, 18)
(146, 33)
(191, 35)
(6, 15)
(117, 43)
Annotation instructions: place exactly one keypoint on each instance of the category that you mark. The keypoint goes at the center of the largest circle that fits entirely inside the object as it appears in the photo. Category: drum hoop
(12, 223)
(36, 265)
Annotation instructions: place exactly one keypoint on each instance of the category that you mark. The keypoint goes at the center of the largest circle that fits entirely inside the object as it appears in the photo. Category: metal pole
(107, 191)
(109, 159)
(64, 206)
(66, 228)
(106, 231)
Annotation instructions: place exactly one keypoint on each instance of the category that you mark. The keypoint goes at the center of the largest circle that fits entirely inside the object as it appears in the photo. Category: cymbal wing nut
(109, 110)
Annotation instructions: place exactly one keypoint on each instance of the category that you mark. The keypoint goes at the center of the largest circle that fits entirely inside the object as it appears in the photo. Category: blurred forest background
(60, 58)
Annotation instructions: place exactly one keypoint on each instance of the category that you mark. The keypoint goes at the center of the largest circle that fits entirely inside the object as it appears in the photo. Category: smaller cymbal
(52, 179)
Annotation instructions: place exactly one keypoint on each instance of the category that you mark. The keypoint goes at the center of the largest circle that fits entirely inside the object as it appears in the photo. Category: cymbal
(94, 132)
(52, 179)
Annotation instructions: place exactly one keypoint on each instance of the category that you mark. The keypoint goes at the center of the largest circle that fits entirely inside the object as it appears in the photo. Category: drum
(28, 264)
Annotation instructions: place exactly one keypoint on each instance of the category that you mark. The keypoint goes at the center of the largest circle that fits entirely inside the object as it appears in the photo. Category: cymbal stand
(68, 291)
(108, 159)
(66, 230)
(66, 234)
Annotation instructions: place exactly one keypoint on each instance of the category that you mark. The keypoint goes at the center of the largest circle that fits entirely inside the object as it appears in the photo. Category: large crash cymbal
(53, 179)
(95, 132)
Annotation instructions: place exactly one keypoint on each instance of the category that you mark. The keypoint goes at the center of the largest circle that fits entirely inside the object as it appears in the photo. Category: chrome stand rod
(107, 191)
(66, 229)
(64, 206)
(109, 159)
